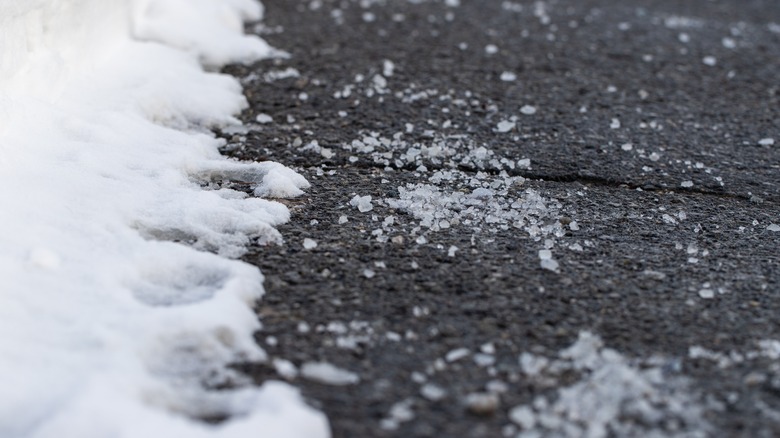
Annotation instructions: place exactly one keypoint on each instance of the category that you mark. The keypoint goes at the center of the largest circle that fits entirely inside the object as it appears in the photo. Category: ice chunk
(309, 244)
(773, 227)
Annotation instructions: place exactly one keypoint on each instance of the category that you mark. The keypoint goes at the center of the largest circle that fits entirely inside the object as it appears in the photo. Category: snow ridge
(117, 319)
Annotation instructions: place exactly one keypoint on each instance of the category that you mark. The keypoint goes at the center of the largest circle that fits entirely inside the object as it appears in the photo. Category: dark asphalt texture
(650, 281)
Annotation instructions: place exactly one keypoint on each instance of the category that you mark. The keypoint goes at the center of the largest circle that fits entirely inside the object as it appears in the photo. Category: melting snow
(117, 329)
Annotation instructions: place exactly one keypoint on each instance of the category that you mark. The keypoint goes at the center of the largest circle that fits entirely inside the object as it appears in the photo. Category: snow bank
(111, 326)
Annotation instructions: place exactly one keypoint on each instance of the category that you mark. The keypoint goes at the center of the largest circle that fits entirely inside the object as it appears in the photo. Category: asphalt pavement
(573, 226)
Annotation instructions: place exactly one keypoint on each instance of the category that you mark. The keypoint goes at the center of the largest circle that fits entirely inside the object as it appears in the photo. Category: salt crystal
(285, 368)
(615, 124)
(508, 76)
(709, 61)
(457, 354)
(451, 252)
(497, 387)
(369, 273)
(388, 68)
(523, 416)
(773, 227)
(328, 374)
(627, 146)
(363, 203)
(525, 163)
(418, 377)
(432, 392)
(707, 293)
(545, 254)
(766, 142)
(729, 43)
(550, 265)
(343, 219)
(264, 118)
(686, 184)
(484, 360)
(574, 226)
(505, 126)
(309, 244)
(528, 110)
(491, 49)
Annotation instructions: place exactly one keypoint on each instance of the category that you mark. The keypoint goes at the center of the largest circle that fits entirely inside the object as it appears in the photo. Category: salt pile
(117, 324)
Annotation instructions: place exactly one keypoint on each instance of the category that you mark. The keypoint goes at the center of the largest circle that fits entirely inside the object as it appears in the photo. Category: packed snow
(119, 305)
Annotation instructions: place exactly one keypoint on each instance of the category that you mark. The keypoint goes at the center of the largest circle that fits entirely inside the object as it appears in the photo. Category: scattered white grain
(706, 293)
(686, 184)
(709, 61)
(505, 126)
(264, 118)
(615, 124)
(508, 76)
(528, 110)
(363, 203)
(491, 49)
(627, 146)
(523, 416)
(766, 141)
(432, 392)
(328, 374)
(457, 354)
(309, 244)
(285, 368)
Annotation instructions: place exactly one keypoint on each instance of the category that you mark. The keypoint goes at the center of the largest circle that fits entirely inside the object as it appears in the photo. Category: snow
(123, 306)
